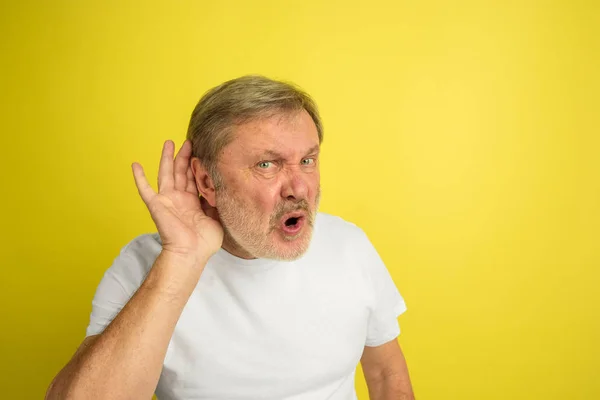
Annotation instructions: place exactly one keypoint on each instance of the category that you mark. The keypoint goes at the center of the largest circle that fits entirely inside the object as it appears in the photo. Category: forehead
(284, 133)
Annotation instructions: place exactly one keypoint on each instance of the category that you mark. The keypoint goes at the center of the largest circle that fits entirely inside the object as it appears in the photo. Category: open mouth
(292, 224)
(291, 221)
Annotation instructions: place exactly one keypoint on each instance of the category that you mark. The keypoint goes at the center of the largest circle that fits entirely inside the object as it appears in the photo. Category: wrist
(175, 276)
(184, 260)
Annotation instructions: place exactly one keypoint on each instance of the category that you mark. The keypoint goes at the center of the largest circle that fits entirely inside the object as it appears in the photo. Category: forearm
(125, 361)
(391, 388)
(386, 372)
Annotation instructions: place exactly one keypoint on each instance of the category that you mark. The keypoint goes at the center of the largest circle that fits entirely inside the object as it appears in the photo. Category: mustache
(286, 207)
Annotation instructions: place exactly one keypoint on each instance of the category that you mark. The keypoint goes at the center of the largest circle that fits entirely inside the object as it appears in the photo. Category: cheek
(315, 183)
(263, 198)
(268, 199)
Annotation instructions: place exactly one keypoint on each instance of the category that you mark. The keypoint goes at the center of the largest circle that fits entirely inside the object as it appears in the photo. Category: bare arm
(386, 372)
(125, 361)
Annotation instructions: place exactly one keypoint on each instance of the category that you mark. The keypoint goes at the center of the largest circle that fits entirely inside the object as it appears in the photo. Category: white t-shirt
(264, 329)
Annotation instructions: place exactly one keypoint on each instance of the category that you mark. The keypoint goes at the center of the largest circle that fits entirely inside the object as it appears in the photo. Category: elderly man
(246, 291)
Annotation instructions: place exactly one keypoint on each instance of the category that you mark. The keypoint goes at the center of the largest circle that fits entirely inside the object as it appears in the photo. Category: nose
(294, 186)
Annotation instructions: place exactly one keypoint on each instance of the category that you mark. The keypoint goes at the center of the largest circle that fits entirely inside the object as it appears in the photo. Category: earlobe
(204, 182)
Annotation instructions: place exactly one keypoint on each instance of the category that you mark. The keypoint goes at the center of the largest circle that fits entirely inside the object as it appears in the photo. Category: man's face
(271, 187)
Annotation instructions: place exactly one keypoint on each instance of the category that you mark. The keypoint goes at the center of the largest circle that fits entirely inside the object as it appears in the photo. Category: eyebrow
(275, 154)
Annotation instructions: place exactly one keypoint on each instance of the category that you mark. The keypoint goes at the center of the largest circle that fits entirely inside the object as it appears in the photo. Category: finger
(191, 182)
(165, 170)
(182, 163)
(144, 189)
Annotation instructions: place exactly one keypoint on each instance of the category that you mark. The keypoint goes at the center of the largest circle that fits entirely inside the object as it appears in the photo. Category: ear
(204, 182)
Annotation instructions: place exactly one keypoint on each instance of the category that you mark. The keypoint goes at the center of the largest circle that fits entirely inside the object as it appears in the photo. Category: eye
(308, 161)
(264, 164)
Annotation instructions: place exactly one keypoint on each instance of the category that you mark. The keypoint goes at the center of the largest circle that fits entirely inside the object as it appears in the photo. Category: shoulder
(135, 260)
(337, 232)
(329, 223)
(143, 247)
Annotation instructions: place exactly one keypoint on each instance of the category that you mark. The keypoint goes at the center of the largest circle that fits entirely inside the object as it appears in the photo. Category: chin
(289, 248)
(286, 255)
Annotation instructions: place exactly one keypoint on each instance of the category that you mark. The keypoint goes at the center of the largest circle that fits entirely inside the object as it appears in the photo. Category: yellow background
(463, 137)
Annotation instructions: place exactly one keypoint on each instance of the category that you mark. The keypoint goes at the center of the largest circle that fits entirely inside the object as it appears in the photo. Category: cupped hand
(183, 226)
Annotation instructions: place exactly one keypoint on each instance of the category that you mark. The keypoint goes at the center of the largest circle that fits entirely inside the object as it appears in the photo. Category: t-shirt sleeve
(121, 281)
(387, 302)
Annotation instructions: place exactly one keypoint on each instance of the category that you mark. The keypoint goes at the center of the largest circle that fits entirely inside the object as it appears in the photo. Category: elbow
(52, 391)
(61, 389)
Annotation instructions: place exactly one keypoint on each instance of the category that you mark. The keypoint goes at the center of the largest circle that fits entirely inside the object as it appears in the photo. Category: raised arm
(125, 360)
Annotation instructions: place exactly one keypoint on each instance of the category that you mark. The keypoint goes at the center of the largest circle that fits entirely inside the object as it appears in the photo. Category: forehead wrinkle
(278, 155)
(261, 127)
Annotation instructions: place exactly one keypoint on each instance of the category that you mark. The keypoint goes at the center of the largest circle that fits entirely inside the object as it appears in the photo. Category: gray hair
(238, 101)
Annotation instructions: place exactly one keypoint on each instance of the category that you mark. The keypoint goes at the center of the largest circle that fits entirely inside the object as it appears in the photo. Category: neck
(233, 248)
